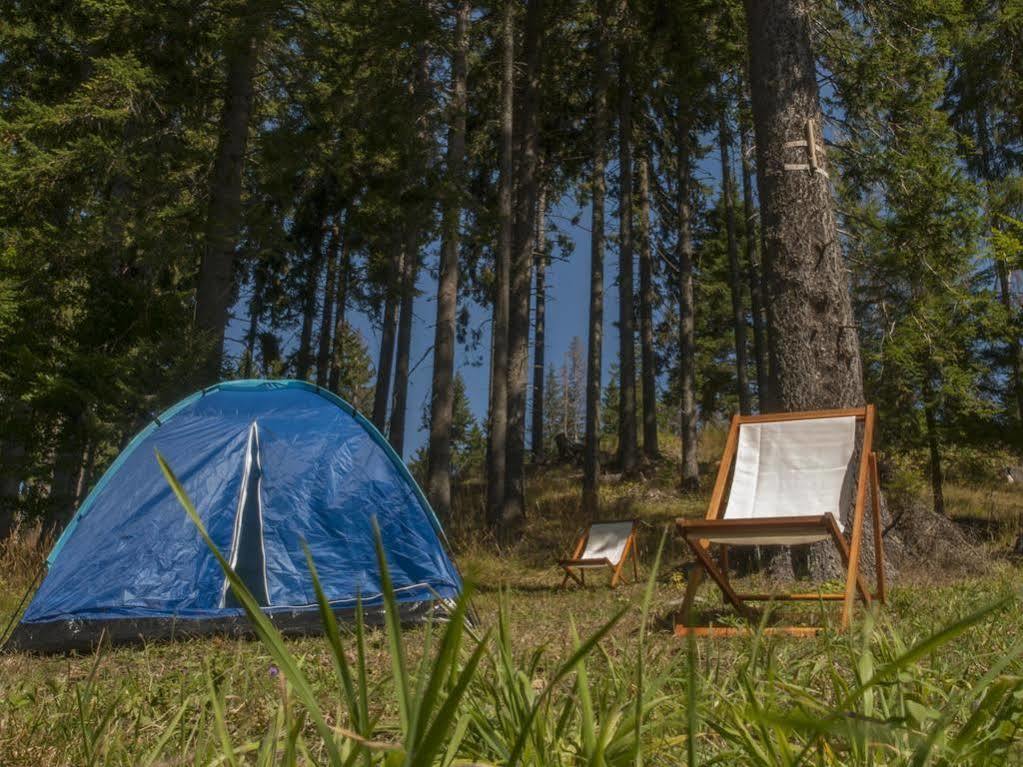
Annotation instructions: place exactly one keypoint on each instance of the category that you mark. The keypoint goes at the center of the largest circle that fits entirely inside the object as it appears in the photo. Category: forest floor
(215, 701)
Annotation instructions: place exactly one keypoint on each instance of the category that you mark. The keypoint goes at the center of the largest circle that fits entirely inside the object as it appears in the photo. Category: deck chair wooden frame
(696, 531)
(575, 567)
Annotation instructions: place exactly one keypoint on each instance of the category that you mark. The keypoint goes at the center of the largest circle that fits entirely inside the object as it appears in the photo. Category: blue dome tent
(270, 465)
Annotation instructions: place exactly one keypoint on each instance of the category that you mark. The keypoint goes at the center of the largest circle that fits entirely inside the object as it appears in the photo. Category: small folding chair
(791, 478)
(605, 544)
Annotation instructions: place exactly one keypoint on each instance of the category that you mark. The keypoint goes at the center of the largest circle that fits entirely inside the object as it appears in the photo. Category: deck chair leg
(635, 564)
(684, 616)
(726, 588)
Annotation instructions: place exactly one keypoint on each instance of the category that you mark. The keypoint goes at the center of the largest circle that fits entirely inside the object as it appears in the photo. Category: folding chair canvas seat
(791, 474)
(605, 544)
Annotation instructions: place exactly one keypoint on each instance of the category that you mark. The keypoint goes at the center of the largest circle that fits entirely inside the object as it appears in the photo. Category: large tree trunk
(442, 397)
(540, 333)
(497, 441)
(327, 317)
(814, 349)
(595, 331)
(215, 287)
(513, 509)
(340, 303)
(385, 360)
(628, 453)
(813, 343)
(410, 272)
(686, 309)
(753, 272)
(648, 356)
(734, 270)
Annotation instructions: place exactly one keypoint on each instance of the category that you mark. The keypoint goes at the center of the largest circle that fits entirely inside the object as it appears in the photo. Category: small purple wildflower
(274, 671)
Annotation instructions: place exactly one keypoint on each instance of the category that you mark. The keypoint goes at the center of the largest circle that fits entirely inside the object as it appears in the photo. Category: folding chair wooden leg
(693, 583)
(726, 588)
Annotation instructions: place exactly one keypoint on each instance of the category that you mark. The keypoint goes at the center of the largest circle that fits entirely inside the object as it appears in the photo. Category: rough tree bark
(442, 397)
(385, 360)
(628, 453)
(215, 286)
(754, 273)
(595, 330)
(686, 309)
(313, 267)
(497, 440)
(414, 220)
(648, 357)
(513, 509)
(933, 443)
(540, 332)
(255, 309)
(813, 343)
(410, 273)
(734, 270)
(814, 348)
(340, 304)
(327, 316)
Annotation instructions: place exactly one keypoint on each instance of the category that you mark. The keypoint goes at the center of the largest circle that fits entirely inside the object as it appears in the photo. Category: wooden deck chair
(605, 544)
(791, 476)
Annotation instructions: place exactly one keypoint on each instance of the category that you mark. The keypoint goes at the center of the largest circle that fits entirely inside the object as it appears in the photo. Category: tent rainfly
(271, 466)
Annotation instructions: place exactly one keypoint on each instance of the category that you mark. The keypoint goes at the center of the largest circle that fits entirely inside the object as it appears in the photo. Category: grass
(549, 677)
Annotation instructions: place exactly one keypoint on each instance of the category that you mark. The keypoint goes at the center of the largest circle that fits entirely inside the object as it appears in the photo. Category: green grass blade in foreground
(583, 650)
(394, 640)
(330, 627)
(261, 625)
(826, 724)
(644, 613)
(219, 722)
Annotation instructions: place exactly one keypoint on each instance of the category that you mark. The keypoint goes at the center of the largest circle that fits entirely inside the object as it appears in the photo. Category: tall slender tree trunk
(754, 274)
(513, 509)
(628, 453)
(314, 265)
(255, 309)
(686, 309)
(497, 440)
(934, 444)
(442, 397)
(385, 360)
(327, 317)
(734, 270)
(410, 273)
(15, 422)
(648, 356)
(595, 330)
(340, 303)
(540, 333)
(814, 348)
(215, 288)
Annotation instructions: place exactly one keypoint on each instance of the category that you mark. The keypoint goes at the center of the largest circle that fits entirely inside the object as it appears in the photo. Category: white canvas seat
(607, 541)
(789, 469)
(604, 544)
